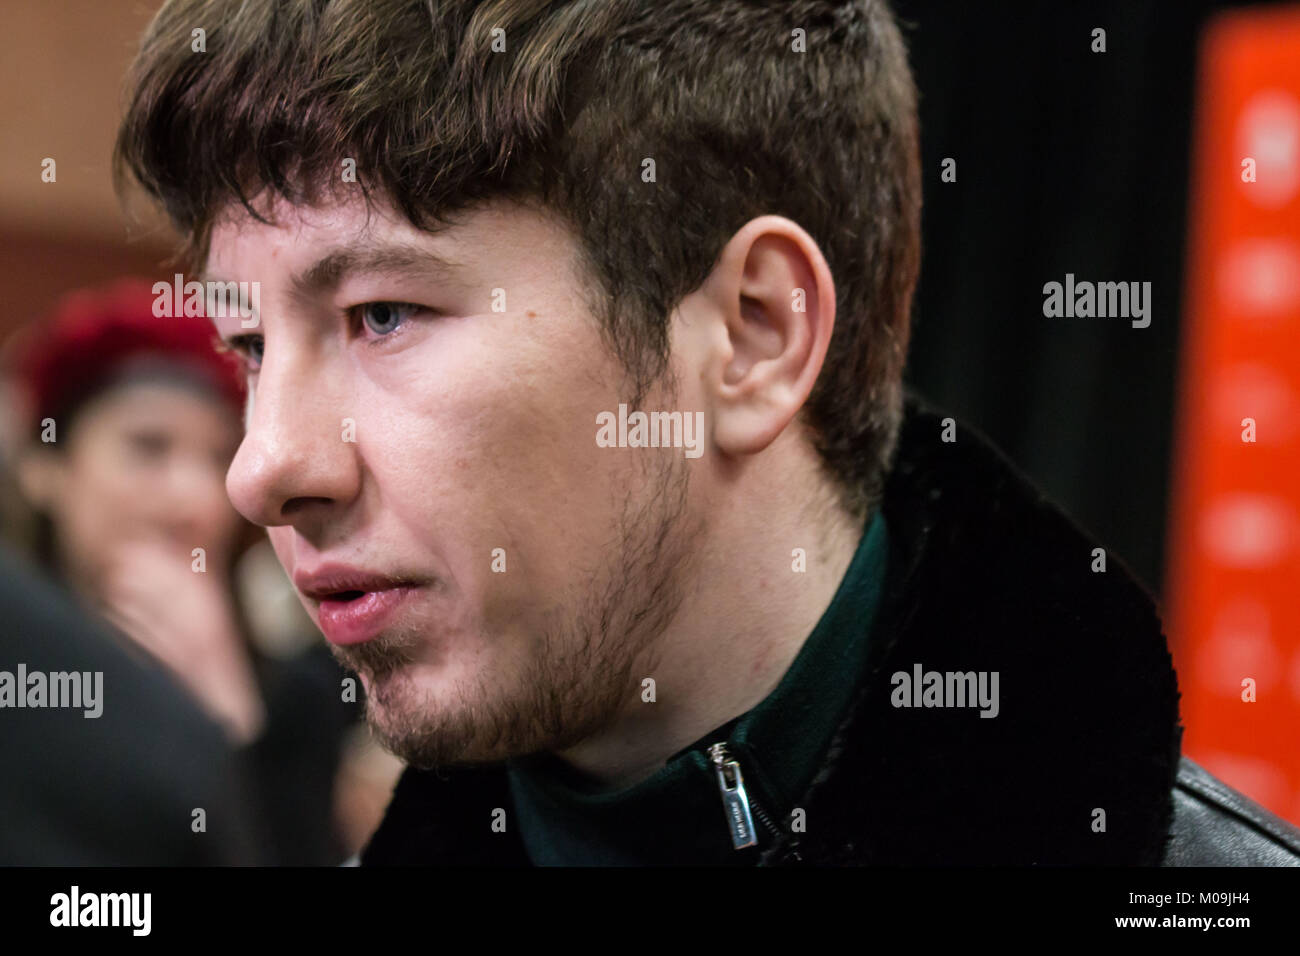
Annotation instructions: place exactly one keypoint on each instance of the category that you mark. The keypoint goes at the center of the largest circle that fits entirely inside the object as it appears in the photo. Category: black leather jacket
(1082, 764)
(1215, 825)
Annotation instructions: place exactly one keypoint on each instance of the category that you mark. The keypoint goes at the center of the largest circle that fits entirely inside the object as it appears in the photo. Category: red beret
(92, 333)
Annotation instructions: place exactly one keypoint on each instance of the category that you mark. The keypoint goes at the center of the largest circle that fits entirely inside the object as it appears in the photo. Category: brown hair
(739, 122)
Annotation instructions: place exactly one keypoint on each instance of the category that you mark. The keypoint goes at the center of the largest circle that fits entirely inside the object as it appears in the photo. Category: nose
(293, 464)
(192, 498)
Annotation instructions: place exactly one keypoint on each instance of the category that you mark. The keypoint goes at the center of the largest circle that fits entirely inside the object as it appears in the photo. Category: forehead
(161, 403)
(298, 237)
(290, 224)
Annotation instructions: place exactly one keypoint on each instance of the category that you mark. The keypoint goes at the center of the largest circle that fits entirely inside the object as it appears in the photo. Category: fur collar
(985, 575)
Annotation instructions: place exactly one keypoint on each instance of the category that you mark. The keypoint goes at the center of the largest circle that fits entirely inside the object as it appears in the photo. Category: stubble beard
(583, 667)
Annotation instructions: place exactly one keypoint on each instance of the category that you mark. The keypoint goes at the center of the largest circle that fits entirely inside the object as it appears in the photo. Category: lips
(351, 620)
(354, 605)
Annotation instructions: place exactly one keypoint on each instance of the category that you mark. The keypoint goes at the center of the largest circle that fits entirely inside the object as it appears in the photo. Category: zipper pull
(735, 802)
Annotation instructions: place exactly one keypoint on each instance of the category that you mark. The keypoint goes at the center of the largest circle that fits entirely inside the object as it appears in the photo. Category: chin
(429, 720)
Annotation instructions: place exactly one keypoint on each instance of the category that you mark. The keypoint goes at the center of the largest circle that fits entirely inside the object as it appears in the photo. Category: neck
(743, 621)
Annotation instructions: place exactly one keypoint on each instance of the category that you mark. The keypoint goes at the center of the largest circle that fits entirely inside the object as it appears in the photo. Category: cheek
(220, 525)
(216, 514)
(281, 538)
(98, 510)
(501, 453)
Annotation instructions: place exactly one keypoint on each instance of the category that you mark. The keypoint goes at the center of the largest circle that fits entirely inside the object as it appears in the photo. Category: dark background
(1067, 161)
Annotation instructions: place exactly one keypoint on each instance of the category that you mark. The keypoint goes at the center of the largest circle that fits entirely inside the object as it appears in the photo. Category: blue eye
(383, 318)
(247, 347)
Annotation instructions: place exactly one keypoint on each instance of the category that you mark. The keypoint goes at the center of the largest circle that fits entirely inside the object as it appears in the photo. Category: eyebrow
(391, 259)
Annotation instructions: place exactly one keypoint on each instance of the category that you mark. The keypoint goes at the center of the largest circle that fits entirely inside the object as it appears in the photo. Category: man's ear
(39, 471)
(771, 302)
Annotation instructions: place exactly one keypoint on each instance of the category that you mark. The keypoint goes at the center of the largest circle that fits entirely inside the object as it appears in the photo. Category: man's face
(437, 426)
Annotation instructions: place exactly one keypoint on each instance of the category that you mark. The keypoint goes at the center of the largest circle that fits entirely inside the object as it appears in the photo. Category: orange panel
(1234, 570)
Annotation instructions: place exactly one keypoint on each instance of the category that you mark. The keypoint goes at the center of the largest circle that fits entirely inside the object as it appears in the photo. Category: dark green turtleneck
(677, 815)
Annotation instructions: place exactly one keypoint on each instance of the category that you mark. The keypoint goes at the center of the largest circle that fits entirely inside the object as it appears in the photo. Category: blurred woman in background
(130, 421)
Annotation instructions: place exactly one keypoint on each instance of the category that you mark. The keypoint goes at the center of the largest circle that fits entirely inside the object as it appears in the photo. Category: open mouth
(354, 615)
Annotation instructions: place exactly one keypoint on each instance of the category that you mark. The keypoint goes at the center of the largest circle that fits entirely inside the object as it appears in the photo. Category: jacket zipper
(739, 807)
